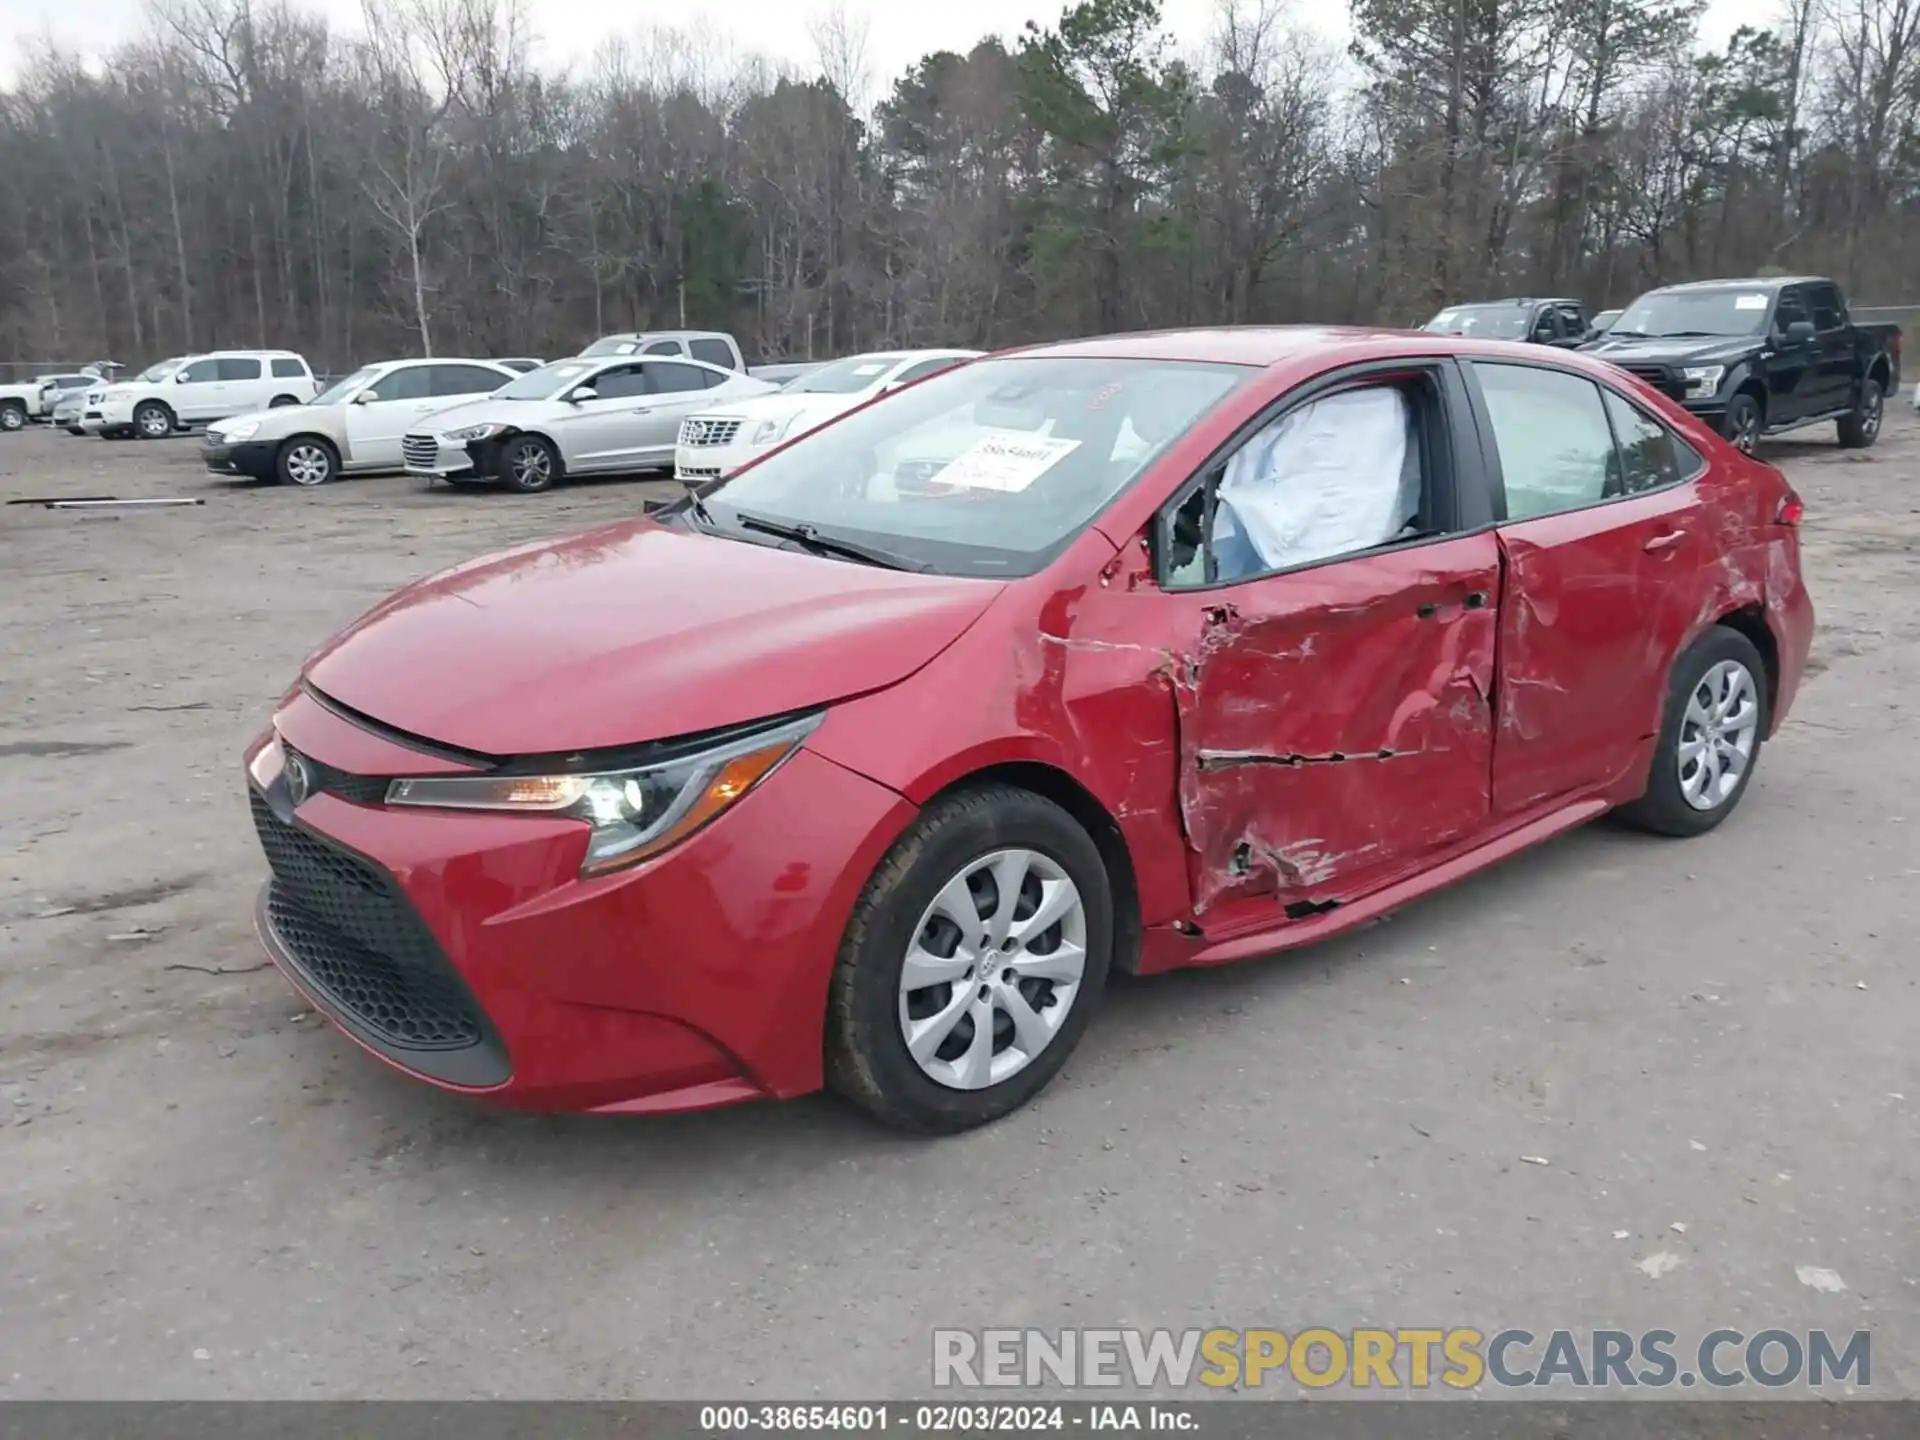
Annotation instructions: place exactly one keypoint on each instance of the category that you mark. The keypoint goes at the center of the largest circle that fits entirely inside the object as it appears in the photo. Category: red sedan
(865, 768)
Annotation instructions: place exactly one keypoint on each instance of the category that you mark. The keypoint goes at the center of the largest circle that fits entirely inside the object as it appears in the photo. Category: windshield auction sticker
(1007, 463)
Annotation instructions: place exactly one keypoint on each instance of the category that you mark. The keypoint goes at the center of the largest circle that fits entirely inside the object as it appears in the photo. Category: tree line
(245, 176)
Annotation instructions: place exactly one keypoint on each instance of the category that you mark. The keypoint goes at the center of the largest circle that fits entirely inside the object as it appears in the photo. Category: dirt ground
(205, 1192)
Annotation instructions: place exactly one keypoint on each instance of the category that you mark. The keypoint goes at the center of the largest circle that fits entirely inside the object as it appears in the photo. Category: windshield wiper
(809, 535)
(1693, 335)
(1624, 335)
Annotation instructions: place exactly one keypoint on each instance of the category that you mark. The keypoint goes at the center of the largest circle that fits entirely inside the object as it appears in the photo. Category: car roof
(1301, 347)
(1770, 282)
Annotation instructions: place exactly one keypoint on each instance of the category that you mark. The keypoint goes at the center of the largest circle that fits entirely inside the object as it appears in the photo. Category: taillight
(1792, 510)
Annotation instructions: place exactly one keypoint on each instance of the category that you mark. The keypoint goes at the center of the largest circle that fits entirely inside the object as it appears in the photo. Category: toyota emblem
(298, 779)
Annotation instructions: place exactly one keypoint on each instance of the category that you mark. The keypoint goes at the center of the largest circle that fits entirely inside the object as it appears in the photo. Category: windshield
(158, 371)
(613, 345)
(988, 469)
(546, 382)
(337, 392)
(845, 377)
(1696, 312)
(1486, 322)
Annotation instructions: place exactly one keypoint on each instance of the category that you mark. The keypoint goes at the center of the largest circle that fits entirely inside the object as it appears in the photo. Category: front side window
(1339, 475)
(410, 382)
(619, 382)
(1555, 444)
(200, 372)
(235, 368)
(989, 469)
(1827, 311)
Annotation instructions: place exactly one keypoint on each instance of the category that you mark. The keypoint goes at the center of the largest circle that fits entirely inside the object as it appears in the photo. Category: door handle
(1665, 542)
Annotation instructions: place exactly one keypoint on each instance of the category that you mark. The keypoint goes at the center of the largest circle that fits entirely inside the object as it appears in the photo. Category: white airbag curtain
(1326, 479)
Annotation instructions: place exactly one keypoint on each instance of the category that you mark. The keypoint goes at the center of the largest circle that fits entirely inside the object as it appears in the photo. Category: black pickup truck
(1759, 357)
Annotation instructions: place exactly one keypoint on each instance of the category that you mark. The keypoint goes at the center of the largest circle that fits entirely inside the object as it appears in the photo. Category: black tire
(75, 430)
(306, 461)
(1664, 808)
(153, 421)
(280, 400)
(13, 415)
(1861, 427)
(867, 1060)
(529, 464)
(1743, 422)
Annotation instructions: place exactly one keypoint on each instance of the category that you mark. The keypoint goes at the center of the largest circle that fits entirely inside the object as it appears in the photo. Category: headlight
(634, 813)
(1703, 379)
(475, 432)
(245, 430)
(769, 431)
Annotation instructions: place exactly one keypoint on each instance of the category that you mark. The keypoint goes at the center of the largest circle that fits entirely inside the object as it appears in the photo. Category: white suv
(201, 389)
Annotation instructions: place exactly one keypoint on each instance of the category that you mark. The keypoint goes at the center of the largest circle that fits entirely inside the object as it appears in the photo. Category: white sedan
(718, 441)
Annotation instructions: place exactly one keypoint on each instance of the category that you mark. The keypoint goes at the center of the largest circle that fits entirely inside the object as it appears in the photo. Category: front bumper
(465, 950)
(253, 458)
(437, 458)
(696, 463)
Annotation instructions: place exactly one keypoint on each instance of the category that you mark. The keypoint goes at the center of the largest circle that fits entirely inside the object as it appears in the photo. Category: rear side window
(289, 369)
(664, 347)
(1827, 312)
(1651, 456)
(1555, 442)
(715, 352)
(465, 380)
(672, 379)
(233, 367)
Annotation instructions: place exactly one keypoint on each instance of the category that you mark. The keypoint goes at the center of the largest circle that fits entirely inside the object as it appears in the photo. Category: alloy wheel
(1718, 732)
(532, 467)
(154, 423)
(11, 418)
(994, 967)
(1870, 419)
(309, 464)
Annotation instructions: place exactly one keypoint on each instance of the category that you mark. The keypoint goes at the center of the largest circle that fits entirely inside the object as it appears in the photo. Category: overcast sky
(899, 32)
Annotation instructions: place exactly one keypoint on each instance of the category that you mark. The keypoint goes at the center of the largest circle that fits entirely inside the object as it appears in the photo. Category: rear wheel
(1861, 428)
(972, 963)
(1742, 423)
(153, 421)
(280, 400)
(1710, 737)
(13, 415)
(306, 460)
(529, 464)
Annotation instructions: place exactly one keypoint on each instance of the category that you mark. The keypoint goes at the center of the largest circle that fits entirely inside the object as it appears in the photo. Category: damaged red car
(867, 767)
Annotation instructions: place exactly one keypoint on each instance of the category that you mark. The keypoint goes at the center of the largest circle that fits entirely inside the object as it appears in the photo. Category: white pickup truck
(35, 399)
(715, 347)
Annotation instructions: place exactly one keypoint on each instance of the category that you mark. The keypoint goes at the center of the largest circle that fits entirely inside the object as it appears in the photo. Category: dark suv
(1560, 321)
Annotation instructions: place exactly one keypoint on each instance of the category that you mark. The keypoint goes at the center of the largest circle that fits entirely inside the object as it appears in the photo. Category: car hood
(810, 410)
(277, 422)
(1710, 350)
(491, 412)
(635, 633)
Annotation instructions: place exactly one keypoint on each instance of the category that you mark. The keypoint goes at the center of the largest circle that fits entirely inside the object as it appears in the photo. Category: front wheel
(1710, 737)
(972, 963)
(306, 461)
(529, 464)
(13, 415)
(1742, 423)
(153, 421)
(1861, 427)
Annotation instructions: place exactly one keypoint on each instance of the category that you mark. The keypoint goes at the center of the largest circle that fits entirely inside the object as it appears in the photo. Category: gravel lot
(206, 1193)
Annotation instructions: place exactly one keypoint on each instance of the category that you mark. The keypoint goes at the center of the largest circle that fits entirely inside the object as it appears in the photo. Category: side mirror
(1800, 332)
(584, 393)
(179, 377)
(365, 397)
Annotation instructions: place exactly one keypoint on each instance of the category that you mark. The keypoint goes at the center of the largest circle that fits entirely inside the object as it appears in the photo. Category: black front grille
(325, 779)
(351, 932)
(1661, 378)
